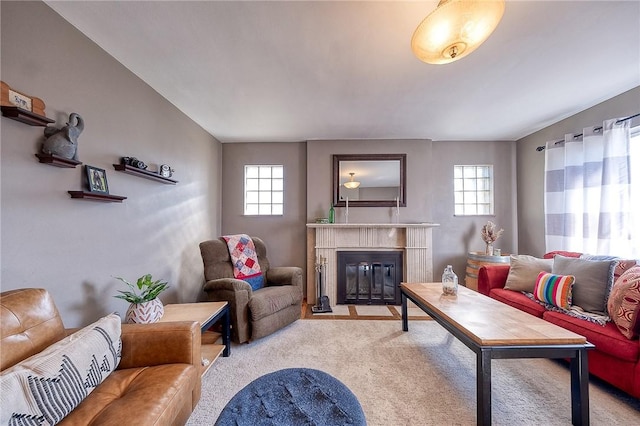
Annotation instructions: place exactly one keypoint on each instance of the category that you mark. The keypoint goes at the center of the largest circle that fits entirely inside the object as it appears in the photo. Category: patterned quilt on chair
(244, 259)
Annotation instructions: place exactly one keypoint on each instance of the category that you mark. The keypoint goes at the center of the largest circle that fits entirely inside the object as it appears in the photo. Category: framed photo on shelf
(97, 180)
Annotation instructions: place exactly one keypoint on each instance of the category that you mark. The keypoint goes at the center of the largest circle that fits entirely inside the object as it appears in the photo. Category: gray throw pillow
(594, 279)
(524, 271)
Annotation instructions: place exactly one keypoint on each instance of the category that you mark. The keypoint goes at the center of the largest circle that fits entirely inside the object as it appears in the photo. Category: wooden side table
(207, 314)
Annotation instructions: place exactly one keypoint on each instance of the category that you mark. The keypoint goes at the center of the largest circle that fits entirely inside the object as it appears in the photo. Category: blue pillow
(255, 281)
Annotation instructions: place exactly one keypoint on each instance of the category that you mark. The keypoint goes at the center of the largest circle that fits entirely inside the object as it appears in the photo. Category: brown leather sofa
(157, 381)
(254, 313)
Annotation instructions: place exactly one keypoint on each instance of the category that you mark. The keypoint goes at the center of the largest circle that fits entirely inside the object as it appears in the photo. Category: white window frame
(473, 190)
(263, 190)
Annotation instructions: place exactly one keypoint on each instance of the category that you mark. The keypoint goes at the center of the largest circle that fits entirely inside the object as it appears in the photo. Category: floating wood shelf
(54, 160)
(25, 116)
(96, 196)
(144, 173)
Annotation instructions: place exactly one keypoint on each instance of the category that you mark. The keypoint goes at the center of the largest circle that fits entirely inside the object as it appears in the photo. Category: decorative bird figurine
(63, 142)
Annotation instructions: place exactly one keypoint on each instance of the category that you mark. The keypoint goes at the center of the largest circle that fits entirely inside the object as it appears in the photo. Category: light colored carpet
(421, 377)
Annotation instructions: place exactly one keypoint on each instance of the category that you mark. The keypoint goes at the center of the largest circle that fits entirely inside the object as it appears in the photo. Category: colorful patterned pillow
(554, 289)
(623, 266)
(47, 386)
(624, 303)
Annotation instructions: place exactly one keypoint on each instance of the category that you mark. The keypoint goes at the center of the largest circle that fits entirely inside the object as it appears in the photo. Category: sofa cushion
(606, 338)
(268, 300)
(524, 271)
(593, 280)
(30, 323)
(517, 300)
(153, 395)
(554, 289)
(622, 265)
(624, 303)
(552, 254)
(49, 385)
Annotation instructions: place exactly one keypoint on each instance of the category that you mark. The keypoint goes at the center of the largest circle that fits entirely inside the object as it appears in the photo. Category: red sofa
(615, 358)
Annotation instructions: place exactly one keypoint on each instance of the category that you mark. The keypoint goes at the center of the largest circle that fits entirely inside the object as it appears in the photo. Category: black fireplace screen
(369, 277)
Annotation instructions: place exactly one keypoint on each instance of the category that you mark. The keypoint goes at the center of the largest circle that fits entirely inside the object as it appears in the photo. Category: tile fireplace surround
(326, 240)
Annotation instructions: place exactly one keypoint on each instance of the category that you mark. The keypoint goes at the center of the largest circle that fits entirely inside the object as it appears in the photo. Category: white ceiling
(307, 70)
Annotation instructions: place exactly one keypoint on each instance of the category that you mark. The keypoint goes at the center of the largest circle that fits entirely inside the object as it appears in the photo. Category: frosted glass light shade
(351, 184)
(455, 29)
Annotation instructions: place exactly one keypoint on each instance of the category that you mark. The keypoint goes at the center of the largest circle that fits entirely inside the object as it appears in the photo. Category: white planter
(145, 313)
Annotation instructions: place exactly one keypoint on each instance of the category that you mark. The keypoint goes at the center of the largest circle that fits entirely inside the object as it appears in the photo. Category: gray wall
(429, 191)
(530, 164)
(74, 248)
(284, 235)
(459, 235)
(308, 178)
(319, 179)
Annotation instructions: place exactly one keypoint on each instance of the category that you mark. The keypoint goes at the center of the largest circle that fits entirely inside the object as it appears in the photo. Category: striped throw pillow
(44, 388)
(554, 289)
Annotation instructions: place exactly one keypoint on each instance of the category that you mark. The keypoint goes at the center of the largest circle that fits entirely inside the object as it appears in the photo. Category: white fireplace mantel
(326, 240)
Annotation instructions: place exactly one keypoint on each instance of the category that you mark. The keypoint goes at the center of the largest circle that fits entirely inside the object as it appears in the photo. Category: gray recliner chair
(254, 313)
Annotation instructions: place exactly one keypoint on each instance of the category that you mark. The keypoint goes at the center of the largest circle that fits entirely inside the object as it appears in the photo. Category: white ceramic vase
(489, 249)
(145, 313)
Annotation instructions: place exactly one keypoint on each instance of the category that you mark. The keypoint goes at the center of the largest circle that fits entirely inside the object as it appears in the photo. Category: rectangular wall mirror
(369, 180)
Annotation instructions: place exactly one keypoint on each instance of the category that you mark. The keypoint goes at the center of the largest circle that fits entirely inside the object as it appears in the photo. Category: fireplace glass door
(371, 278)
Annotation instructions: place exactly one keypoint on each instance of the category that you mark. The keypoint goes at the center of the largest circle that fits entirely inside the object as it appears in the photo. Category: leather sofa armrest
(160, 343)
(492, 276)
(285, 275)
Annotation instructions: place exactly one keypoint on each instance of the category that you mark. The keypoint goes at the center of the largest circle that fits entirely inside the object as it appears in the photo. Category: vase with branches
(489, 235)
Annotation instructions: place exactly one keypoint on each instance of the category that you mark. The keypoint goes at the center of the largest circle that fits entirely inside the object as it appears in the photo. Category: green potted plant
(145, 307)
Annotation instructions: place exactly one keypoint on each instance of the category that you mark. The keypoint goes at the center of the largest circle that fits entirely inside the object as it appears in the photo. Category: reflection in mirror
(369, 180)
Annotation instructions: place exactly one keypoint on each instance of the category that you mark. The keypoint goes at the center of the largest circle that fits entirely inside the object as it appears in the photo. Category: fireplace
(369, 277)
(326, 240)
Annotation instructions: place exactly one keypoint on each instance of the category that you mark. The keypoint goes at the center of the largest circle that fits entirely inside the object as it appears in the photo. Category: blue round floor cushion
(293, 396)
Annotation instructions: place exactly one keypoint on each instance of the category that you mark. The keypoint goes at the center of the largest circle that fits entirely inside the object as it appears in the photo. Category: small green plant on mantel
(150, 289)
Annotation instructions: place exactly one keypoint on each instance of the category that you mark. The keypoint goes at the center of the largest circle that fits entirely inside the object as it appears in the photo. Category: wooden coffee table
(207, 314)
(495, 330)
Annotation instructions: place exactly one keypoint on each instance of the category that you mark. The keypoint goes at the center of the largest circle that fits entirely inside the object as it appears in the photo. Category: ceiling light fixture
(455, 29)
(351, 184)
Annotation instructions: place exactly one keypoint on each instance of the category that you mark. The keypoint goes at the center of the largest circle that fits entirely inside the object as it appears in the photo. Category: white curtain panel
(587, 191)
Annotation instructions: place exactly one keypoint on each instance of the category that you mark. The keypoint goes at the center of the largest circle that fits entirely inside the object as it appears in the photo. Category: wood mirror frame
(402, 158)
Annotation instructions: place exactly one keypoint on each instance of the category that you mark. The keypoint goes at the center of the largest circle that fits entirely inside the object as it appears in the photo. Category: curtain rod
(631, 117)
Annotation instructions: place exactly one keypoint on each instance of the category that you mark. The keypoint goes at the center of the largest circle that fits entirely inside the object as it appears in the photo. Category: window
(473, 190)
(263, 190)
